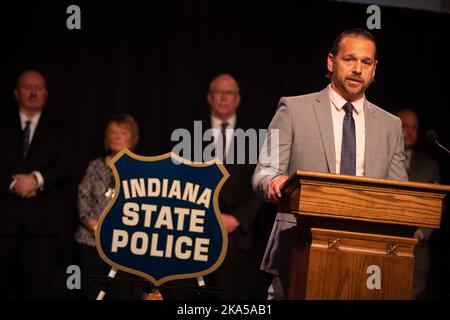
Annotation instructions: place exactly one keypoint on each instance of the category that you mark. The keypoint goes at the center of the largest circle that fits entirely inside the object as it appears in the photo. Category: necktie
(348, 151)
(26, 138)
(224, 126)
(407, 162)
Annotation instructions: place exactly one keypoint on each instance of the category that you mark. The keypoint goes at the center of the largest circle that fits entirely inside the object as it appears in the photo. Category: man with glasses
(239, 205)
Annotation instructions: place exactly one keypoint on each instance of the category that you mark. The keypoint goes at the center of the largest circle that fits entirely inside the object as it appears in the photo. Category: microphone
(432, 137)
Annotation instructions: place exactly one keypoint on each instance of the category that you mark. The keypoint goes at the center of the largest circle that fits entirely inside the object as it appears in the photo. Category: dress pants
(27, 265)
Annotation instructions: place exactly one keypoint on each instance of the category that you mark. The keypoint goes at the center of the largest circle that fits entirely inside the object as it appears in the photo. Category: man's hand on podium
(419, 236)
(273, 193)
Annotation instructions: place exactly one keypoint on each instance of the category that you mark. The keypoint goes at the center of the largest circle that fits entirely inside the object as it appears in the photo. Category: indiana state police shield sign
(163, 222)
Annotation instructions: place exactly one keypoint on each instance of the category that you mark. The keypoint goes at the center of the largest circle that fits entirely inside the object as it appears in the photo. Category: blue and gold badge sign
(163, 222)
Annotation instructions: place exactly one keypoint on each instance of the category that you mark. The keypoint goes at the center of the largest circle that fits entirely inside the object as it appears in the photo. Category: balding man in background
(239, 205)
(239, 276)
(35, 164)
(421, 168)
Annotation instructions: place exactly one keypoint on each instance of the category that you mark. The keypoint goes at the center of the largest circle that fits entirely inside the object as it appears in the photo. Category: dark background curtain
(154, 60)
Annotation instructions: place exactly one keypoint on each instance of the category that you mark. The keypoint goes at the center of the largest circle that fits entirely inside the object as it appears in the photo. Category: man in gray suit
(335, 130)
(421, 168)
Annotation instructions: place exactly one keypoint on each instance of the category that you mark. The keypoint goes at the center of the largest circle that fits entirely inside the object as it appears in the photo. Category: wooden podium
(355, 234)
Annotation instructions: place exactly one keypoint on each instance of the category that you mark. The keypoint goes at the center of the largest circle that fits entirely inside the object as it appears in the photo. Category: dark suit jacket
(237, 197)
(48, 154)
(423, 169)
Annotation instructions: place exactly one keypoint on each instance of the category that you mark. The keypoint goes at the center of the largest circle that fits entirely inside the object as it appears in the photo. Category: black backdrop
(155, 60)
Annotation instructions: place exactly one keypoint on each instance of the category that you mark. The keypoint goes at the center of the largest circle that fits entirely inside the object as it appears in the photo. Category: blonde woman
(94, 193)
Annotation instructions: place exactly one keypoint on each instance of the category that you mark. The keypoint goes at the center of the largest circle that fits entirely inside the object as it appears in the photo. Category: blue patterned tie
(26, 138)
(348, 151)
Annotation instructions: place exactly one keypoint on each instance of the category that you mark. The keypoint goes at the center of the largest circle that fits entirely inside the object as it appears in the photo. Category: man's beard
(344, 88)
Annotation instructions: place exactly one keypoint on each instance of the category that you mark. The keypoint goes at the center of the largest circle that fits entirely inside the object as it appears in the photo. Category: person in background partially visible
(239, 204)
(35, 164)
(94, 194)
(421, 168)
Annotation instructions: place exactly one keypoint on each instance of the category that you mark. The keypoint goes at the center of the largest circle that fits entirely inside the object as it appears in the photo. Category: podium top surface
(299, 174)
(342, 197)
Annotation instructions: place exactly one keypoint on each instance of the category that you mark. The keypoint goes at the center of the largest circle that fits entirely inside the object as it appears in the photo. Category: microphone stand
(432, 137)
(111, 275)
(444, 148)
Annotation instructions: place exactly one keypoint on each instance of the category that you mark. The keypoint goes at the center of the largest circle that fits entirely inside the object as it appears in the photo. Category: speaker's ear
(330, 63)
(374, 69)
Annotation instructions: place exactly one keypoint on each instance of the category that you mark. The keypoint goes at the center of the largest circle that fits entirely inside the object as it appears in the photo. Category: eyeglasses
(224, 92)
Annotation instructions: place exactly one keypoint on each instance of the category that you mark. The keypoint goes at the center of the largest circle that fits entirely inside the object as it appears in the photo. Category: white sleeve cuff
(12, 184)
(39, 179)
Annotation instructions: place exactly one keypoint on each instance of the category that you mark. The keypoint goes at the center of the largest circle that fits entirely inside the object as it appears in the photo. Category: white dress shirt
(33, 125)
(216, 123)
(338, 113)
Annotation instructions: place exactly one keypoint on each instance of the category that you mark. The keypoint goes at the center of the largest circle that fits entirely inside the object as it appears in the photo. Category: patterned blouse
(94, 194)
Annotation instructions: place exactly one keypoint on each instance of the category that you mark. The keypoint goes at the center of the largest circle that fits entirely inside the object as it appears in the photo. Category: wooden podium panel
(343, 265)
(355, 234)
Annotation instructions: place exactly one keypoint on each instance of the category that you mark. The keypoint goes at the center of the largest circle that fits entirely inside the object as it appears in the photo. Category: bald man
(240, 207)
(421, 168)
(35, 164)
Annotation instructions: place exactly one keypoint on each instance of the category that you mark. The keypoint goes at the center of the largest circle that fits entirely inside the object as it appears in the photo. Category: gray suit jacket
(306, 142)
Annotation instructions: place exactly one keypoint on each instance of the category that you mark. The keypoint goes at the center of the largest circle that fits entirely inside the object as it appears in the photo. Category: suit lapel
(207, 123)
(371, 127)
(14, 140)
(322, 109)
